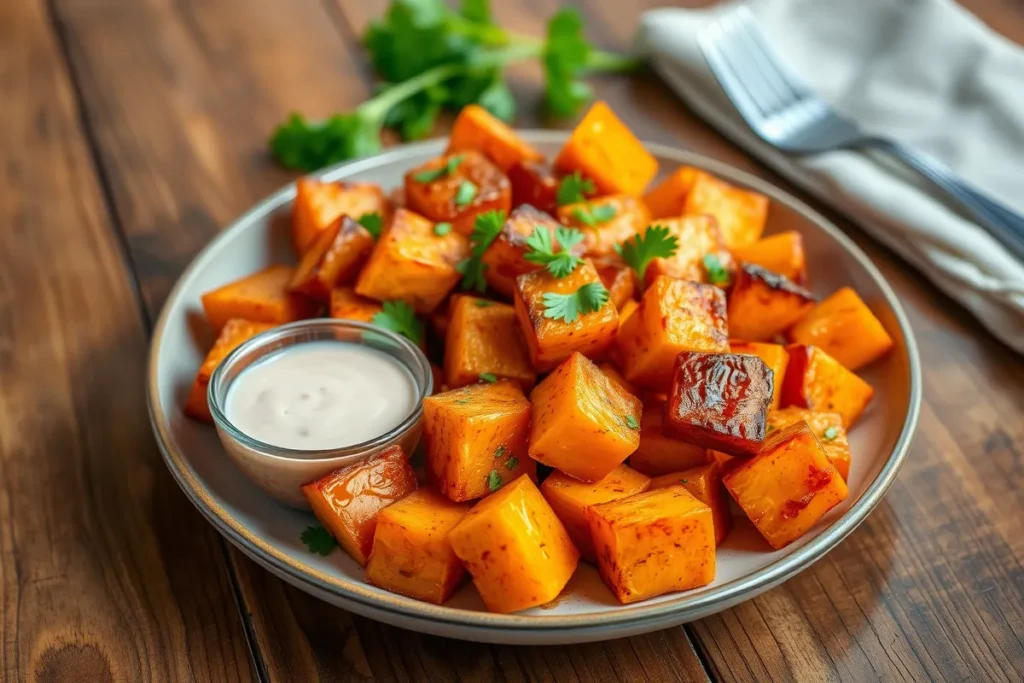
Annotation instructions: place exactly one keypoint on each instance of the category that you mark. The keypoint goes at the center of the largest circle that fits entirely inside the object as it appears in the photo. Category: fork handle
(1002, 222)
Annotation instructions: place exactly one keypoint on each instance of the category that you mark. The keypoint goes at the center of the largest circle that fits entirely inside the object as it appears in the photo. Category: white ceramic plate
(269, 532)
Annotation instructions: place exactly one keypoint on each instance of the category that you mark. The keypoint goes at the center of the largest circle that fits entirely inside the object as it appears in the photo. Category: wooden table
(131, 131)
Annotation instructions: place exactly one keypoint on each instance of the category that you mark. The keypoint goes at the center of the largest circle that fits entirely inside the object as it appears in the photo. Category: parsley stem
(377, 107)
(610, 62)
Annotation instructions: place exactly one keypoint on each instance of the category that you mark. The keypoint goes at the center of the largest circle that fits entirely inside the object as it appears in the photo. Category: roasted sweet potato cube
(653, 543)
(235, 332)
(773, 355)
(583, 423)
(515, 548)
(318, 205)
(659, 453)
(674, 316)
(845, 328)
(534, 183)
(787, 487)
(762, 303)
(347, 305)
(456, 188)
(705, 483)
(262, 297)
(698, 237)
(782, 253)
(337, 255)
(475, 439)
(740, 214)
(411, 553)
(603, 149)
(612, 373)
(667, 198)
(347, 501)
(828, 427)
(628, 308)
(569, 498)
(553, 340)
(720, 401)
(606, 222)
(476, 129)
(505, 259)
(817, 381)
(484, 343)
(412, 263)
(618, 278)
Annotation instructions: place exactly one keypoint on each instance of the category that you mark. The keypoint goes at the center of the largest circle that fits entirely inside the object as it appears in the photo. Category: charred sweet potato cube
(674, 316)
(618, 278)
(720, 401)
(318, 205)
(552, 340)
(773, 355)
(740, 214)
(534, 183)
(659, 453)
(603, 149)
(698, 236)
(456, 188)
(515, 548)
(505, 259)
(828, 427)
(347, 305)
(817, 381)
(653, 543)
(606, 222)
(569, 498)
(782, 253)
(412, 263)
(667, 198)
(476, 129)
(411, 553)
(787, 487)
(262, 297)
(845, 328)
(705, 483)
(762, 303)
(347, 501)
(484, 342)
(335, 259)
(235, 332)
(583, 423)
(475, 439)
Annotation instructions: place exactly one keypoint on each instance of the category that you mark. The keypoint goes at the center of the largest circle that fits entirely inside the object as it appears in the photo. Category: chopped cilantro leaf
(573, 189)
(318, 540)
(718, 274)
(432, 174)
(488, 377)
(568, 307)
(442, 229)
(640, 249)
(465, 194)
(493, 481)
(592, 215)
(512, 463)
(483, 303)
(485, 230)
(632, 423)
(540, 249)
(399, 317)
(499, 452)
(831, 433)
(373, 222)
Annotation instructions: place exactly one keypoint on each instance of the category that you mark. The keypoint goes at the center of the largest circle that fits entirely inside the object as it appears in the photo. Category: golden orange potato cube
(817, 381)
(319, 204)
(334, 259)
(483, 343)
(475, 439)
(773, 355)
(762, 304)
(262, 297)
(583, 423)
(235, 332)
(612, 373)
(515, 548)
(569, 498)
(412, 263)
(828, 427)
(456, 188)
(606, 222)
(659, 453)
(476, 129)
(667, 198)
(653, 543)
(411, 553)
(705, 483)
(782, 253)
(348, 500)
(698, 237)
(618, 278)
(787, 487)
(845, 328)
(740, 214)
(551, 340)
(505, 259)
(674, 316)
(347, 305)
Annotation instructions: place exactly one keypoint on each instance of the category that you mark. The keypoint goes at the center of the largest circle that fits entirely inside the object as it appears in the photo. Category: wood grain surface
(133, 130)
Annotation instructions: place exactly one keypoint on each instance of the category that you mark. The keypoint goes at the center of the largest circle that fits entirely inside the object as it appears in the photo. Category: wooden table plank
(106, 571)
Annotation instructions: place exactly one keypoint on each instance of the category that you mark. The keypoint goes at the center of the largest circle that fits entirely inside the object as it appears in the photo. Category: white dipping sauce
(320, 395)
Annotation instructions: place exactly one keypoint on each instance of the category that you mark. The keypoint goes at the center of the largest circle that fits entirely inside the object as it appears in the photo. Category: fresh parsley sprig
(640, 249)
(592, 215)
(486, 228)
(573, 189)
(446, 169)
(568, 307)
(373, 222)
(318, 540)
(541, 250)
(400, 317)
(718, 274)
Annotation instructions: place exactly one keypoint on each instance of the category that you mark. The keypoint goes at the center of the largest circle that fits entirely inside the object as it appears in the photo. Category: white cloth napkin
(923, 71)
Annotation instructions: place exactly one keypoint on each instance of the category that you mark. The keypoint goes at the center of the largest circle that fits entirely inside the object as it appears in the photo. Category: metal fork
(784, 113)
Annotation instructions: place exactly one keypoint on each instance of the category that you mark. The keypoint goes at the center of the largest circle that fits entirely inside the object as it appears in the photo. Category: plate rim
(402, 607)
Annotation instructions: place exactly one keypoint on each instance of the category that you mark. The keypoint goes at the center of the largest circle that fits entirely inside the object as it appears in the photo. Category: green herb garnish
(442, 229)
(830, 433)
(592, 215)
(488, 377)
(718, 274)
(684, 481)
(574, 189)
(631, 422)
(493, 481)
(568, 307)
(373, 222)
(318, 540)
(486, 228)
(639, 250)
(499, 452)
(399, 317)
(512, 463)
(465, 194)
(540, 249)
(483, 303)
(432, 174)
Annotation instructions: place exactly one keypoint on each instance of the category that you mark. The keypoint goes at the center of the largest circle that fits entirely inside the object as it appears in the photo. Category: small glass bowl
(282, 471)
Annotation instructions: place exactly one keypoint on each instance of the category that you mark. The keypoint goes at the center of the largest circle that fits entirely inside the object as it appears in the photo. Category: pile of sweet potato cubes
(650, 359)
